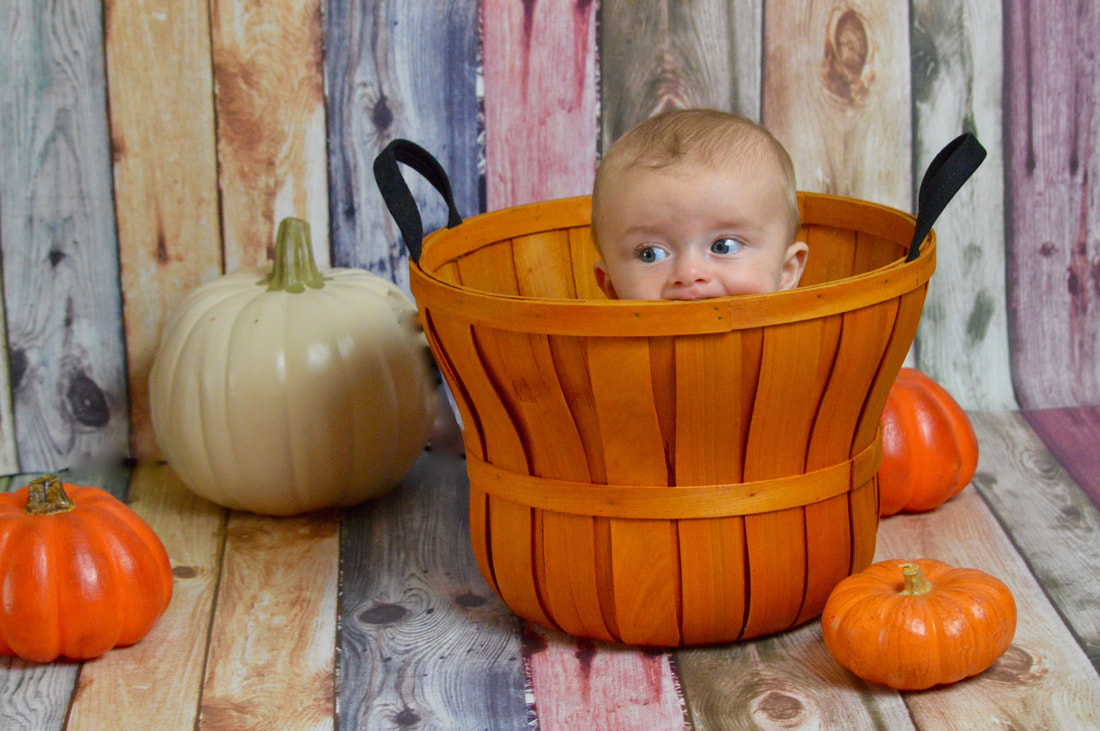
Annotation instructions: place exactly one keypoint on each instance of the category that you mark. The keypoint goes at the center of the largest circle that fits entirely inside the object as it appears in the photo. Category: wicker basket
(669, 473)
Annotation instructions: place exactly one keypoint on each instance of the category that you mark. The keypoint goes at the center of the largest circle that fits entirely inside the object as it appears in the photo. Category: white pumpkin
(291, 390)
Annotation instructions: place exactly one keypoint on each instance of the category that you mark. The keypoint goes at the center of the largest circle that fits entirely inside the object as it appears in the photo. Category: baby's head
(695, 204)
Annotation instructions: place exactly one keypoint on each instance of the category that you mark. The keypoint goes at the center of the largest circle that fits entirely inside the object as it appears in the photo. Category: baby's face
(692, 232)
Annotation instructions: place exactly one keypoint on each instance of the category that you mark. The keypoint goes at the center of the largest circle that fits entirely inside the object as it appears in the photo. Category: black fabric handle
(399, 199)
(945, 175)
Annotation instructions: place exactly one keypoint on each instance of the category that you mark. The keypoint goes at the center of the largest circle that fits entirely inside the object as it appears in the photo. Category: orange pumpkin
(914, 624)
(80, 572)
(929, 450)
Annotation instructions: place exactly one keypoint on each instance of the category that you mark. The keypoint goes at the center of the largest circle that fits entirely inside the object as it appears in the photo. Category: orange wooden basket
(669, 473)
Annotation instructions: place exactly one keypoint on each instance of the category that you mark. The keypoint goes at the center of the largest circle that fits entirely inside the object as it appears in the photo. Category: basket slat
(713, 591)
(710, 419)
(541, 270)
(572, 586)
(522, 370)
(831, 253)
(646, 575)
(571, 361)
(783, 411)
(863, 338)
(873, 252)
(711, 430)
(511, 535)
(583, 256)
(633, 445)
(905, 329)
(622, 387)
(491, 269)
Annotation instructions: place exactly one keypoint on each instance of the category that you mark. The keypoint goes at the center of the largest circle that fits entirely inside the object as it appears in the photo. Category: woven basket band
(669, 503)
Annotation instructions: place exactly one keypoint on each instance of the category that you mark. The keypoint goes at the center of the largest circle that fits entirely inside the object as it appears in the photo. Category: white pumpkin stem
(915, 583)
(47, 496)
(294, 268)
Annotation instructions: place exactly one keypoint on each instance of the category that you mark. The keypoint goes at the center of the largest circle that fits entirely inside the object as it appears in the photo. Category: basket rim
(601, 317)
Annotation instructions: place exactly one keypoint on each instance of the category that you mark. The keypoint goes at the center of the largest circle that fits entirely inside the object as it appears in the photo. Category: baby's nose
(690, 269)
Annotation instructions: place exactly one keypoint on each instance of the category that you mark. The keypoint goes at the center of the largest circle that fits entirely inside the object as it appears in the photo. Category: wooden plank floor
(376, 617)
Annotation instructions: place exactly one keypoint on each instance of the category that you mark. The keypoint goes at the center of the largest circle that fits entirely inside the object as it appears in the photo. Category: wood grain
(65, 362)
(1047, 517)
(398, 69)
(269, 96)
(658, 55)
(1054, 684)
(165, 175)
(1072, 435)
(784, 681)
(962, 341)
(540, 112)
(1051, 136)
(423, 641)
(838, 96)
(593, 685)
(158, 680)
(35, 695)
(272, 641)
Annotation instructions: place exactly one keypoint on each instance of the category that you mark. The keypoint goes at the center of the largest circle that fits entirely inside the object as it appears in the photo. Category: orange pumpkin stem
(295, 268)
(915, 583)
(46, 496)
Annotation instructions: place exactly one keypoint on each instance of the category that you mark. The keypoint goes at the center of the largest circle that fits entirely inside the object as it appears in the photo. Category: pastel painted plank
(581, 684)
(838, 96)
(1052, 682)
(957, 70)
(272, 641)
(165, 175)
(1050, 520)
(1073, 436)
(422, 638)
(540, 113)
(65, 362)
(269, 96)
(158, 680)
(1051, 93)
(787, 680)
(658, 55)
(397, 69)
(35, 695)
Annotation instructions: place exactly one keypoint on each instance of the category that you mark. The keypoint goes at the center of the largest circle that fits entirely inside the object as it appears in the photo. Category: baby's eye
(726, 246)
(650, 254)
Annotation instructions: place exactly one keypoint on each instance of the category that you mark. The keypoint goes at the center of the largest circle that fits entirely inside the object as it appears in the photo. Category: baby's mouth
(693, 293)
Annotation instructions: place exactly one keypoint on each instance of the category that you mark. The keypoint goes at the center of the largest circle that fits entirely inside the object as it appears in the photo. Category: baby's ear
(794, 264)
(603, 280)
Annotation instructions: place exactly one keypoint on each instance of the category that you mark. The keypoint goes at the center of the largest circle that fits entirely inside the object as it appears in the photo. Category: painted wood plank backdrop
(1052, 88)
(839, 98)
(65, 370)
(957, 86)
(398, 69)
(163, 145)
(422, 637)
(659, 55)
(150, 146)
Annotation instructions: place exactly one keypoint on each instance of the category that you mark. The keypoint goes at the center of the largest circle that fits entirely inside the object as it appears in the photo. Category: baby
(694, 204)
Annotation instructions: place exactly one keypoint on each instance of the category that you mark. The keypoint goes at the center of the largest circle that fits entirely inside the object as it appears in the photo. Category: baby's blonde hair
(703, 136)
